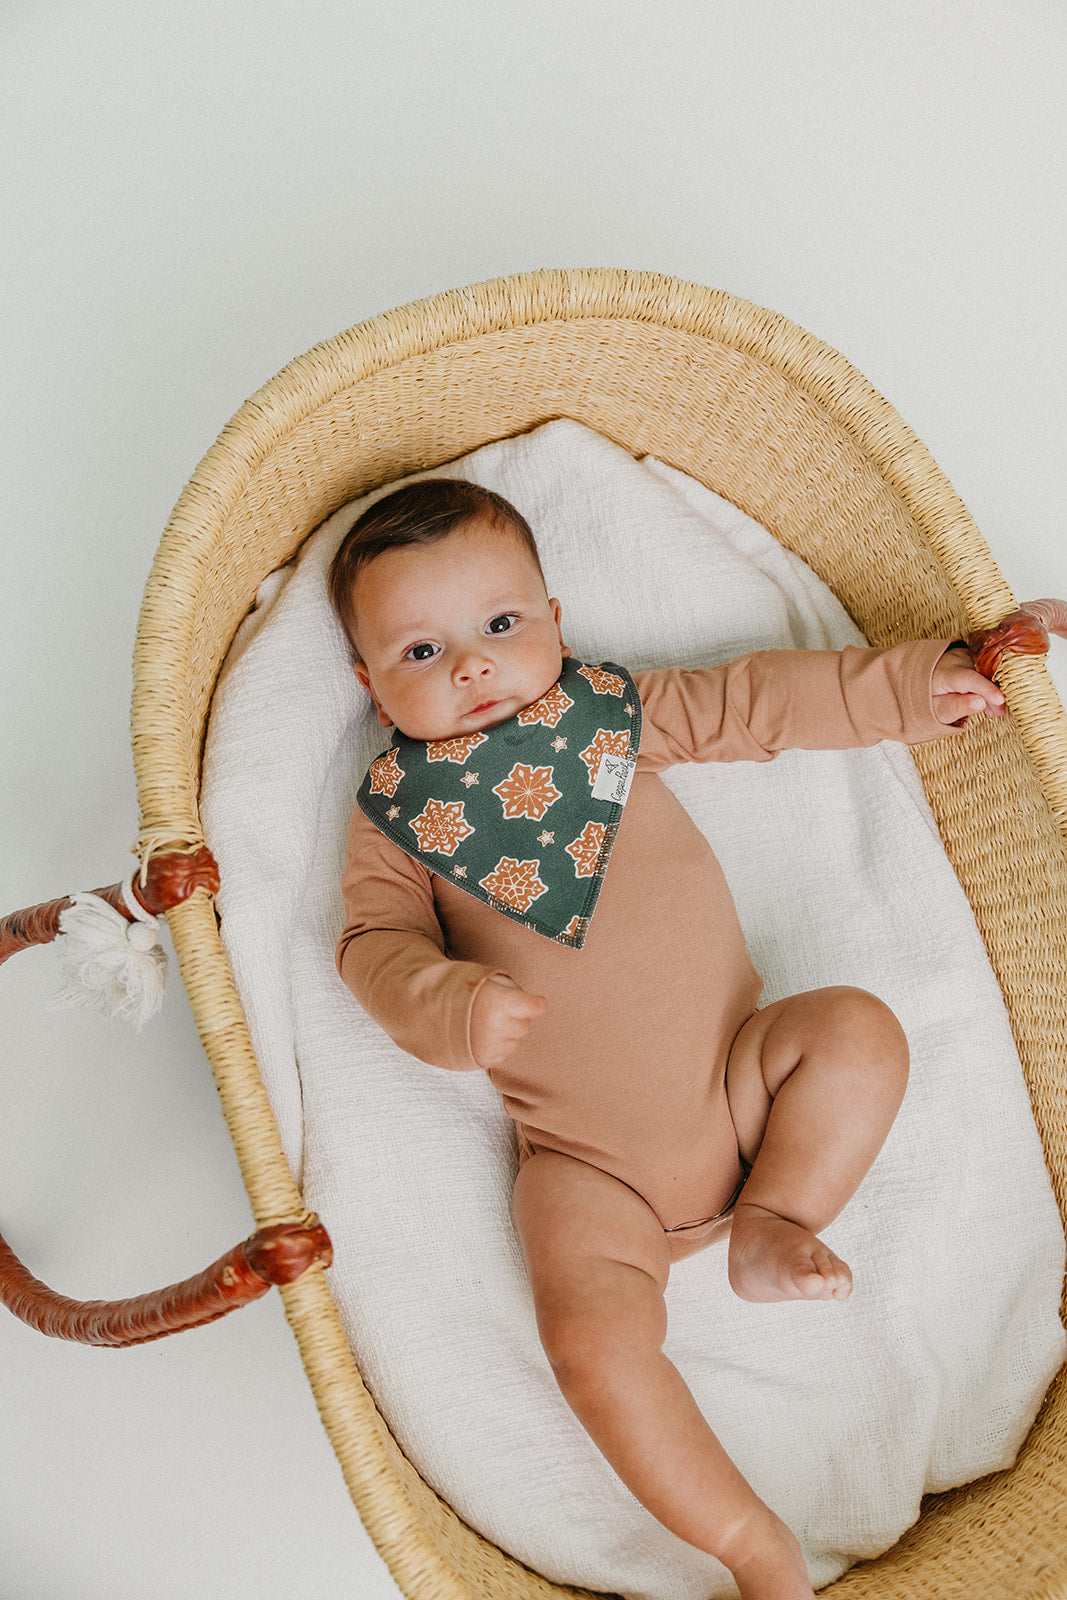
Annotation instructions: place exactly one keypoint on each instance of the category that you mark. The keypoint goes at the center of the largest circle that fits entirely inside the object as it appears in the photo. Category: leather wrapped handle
(1023, 633)
(277, 1254)
(169, 879)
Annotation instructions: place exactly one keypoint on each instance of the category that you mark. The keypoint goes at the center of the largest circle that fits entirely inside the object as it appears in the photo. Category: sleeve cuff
(924, 724)
(461, 1055)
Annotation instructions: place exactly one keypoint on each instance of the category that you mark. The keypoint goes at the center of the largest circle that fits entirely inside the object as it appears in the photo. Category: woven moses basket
(782, 426)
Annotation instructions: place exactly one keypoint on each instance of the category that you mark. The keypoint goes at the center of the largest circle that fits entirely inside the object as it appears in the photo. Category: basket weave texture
(781, 425)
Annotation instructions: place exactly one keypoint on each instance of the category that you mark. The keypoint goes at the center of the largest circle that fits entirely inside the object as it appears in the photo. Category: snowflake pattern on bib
(385, 774)
(524, 827)
(515, 883)
(528, 791)
(548, 709)
(587, 849)
(457, 750)
(603, 682)
(441, 826)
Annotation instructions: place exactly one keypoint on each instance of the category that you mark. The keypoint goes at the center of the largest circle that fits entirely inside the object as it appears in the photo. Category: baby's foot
(774, 1259)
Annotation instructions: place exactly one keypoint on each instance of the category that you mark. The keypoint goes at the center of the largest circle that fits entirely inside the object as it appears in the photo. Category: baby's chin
(488, 719)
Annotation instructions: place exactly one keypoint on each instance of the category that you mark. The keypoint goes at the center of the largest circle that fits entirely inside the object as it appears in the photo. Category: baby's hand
(959, 690)
(500, 1019)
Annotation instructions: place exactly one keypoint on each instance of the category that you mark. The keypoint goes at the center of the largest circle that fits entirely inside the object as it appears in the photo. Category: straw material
(780, 424)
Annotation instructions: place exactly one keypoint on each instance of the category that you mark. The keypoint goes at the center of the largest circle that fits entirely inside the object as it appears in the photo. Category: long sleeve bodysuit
(626, 1067)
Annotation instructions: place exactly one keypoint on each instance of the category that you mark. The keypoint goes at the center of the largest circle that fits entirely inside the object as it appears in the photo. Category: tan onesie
(626, 1067)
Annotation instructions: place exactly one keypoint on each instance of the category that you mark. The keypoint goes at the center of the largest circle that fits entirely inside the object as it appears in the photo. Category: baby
(657, 1107)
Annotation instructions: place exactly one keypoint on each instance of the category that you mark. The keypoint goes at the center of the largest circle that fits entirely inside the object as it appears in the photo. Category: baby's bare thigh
(594, 1249)
(827, 1022)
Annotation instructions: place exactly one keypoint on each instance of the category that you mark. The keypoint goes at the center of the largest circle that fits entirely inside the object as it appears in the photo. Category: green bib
(523, 816)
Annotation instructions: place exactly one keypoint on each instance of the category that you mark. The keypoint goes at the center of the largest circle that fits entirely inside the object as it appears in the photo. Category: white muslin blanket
(841, 1415)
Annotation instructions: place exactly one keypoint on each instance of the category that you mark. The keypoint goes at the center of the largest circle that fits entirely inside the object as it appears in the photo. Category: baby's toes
(834, 1274)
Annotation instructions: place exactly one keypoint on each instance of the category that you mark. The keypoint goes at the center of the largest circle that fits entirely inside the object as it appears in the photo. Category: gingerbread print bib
(523, 816)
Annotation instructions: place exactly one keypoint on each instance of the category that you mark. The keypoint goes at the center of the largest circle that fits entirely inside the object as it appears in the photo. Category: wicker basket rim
(495, 305)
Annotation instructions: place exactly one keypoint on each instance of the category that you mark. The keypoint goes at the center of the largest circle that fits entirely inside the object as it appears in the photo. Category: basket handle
(277, 1254)
(168, 880)
(1023, 633)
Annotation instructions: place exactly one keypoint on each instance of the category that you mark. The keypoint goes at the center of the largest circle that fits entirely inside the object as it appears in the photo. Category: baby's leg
(813, 1083)
(598, 1264)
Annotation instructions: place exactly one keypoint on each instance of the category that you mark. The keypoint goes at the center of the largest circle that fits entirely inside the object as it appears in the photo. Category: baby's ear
(557, 617)
(364, 677)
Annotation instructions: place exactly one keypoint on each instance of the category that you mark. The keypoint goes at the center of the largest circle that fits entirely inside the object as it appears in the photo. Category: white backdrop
(193, 195)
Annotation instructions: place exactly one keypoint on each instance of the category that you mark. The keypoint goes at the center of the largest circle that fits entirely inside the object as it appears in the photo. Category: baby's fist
(500, 1019)
(959, 691)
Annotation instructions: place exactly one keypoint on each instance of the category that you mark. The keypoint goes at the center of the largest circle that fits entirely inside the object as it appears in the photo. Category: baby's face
(458, 635)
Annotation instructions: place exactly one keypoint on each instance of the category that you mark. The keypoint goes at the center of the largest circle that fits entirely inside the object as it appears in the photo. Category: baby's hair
(419, 513)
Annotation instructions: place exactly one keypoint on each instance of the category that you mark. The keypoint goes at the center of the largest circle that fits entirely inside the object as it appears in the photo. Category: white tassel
(113, 966)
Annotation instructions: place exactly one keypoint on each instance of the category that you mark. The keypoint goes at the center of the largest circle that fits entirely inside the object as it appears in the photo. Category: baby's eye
(502, 623)
(421, 652)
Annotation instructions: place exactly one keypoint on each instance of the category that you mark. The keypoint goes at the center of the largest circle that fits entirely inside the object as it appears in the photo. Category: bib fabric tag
(523, 815)
(614, 777)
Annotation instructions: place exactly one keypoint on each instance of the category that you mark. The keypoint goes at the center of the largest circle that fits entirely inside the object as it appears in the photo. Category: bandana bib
(523, 816)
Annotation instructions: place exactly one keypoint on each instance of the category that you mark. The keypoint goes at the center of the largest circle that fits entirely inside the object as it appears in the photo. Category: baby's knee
(862, 1021)
(598, 1263)
(569, 1339)
(590, 1342)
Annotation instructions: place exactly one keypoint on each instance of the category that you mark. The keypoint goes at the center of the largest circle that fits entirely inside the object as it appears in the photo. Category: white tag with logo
(613, 779)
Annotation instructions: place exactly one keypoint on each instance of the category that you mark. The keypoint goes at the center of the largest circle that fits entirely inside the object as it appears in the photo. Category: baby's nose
(472, 665)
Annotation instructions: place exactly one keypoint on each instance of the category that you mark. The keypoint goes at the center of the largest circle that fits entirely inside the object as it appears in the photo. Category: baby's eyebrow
(418, 629)
(408, 633)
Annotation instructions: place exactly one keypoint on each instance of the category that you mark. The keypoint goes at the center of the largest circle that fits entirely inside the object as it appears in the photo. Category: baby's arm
(751, 708)
(392, 956)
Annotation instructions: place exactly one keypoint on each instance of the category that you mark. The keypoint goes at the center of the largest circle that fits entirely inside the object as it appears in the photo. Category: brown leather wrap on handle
(169, 879)
(1023, 633)
(275, 1255)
